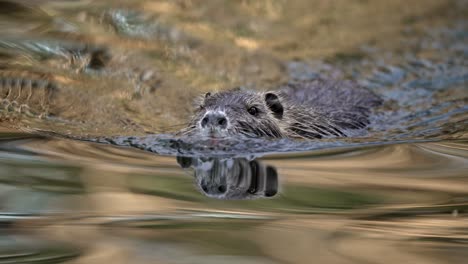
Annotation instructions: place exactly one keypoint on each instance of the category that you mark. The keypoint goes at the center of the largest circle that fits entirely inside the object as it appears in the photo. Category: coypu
(308, 110)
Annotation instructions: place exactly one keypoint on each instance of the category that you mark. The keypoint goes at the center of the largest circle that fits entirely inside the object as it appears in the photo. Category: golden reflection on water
(406, 201)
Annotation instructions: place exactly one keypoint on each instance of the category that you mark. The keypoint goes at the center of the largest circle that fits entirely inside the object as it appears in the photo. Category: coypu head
(238, 112)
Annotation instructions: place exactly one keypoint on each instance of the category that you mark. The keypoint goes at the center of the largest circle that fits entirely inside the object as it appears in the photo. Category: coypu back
(342, 105)
(330, 94)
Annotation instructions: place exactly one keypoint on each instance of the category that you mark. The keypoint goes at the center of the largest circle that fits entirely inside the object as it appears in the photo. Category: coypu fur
(313, 109)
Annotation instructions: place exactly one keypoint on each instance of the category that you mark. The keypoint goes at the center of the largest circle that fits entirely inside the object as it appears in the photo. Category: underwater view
(121, 138)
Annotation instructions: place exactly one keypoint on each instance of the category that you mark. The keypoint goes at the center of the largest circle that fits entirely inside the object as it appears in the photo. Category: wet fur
(326, 108)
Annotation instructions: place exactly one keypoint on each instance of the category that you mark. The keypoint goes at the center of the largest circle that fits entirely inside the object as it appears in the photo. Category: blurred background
(132, 68)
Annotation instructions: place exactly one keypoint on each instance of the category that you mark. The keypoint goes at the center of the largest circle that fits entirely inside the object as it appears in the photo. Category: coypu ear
(274, 104)
(208, 94)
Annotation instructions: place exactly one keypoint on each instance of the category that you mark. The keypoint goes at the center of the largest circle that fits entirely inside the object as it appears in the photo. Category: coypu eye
(253, 110)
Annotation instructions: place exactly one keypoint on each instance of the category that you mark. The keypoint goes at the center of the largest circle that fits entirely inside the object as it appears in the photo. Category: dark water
(126, 74)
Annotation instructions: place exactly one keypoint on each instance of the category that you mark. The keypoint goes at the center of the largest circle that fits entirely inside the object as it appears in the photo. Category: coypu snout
(214, 120)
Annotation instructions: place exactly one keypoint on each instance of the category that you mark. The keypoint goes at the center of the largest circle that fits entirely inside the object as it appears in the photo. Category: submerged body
(312, 109)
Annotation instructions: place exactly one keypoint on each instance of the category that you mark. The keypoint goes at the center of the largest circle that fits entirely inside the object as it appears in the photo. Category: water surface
(127, 73)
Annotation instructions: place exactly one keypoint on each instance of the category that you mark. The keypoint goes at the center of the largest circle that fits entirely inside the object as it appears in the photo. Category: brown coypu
(311, 109)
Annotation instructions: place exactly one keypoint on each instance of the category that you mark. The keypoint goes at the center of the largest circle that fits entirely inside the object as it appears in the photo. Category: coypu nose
(214, 119)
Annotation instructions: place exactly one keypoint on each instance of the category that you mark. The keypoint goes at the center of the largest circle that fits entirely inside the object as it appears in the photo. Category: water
(126, 74)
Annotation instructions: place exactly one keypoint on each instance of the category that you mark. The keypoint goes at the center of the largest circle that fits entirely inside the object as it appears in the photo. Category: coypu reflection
(228, 178)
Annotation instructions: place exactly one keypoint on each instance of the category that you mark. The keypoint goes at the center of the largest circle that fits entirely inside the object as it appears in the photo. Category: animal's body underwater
(308, 110)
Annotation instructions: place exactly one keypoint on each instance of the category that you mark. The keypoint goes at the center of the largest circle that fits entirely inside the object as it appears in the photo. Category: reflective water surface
(92, 91)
